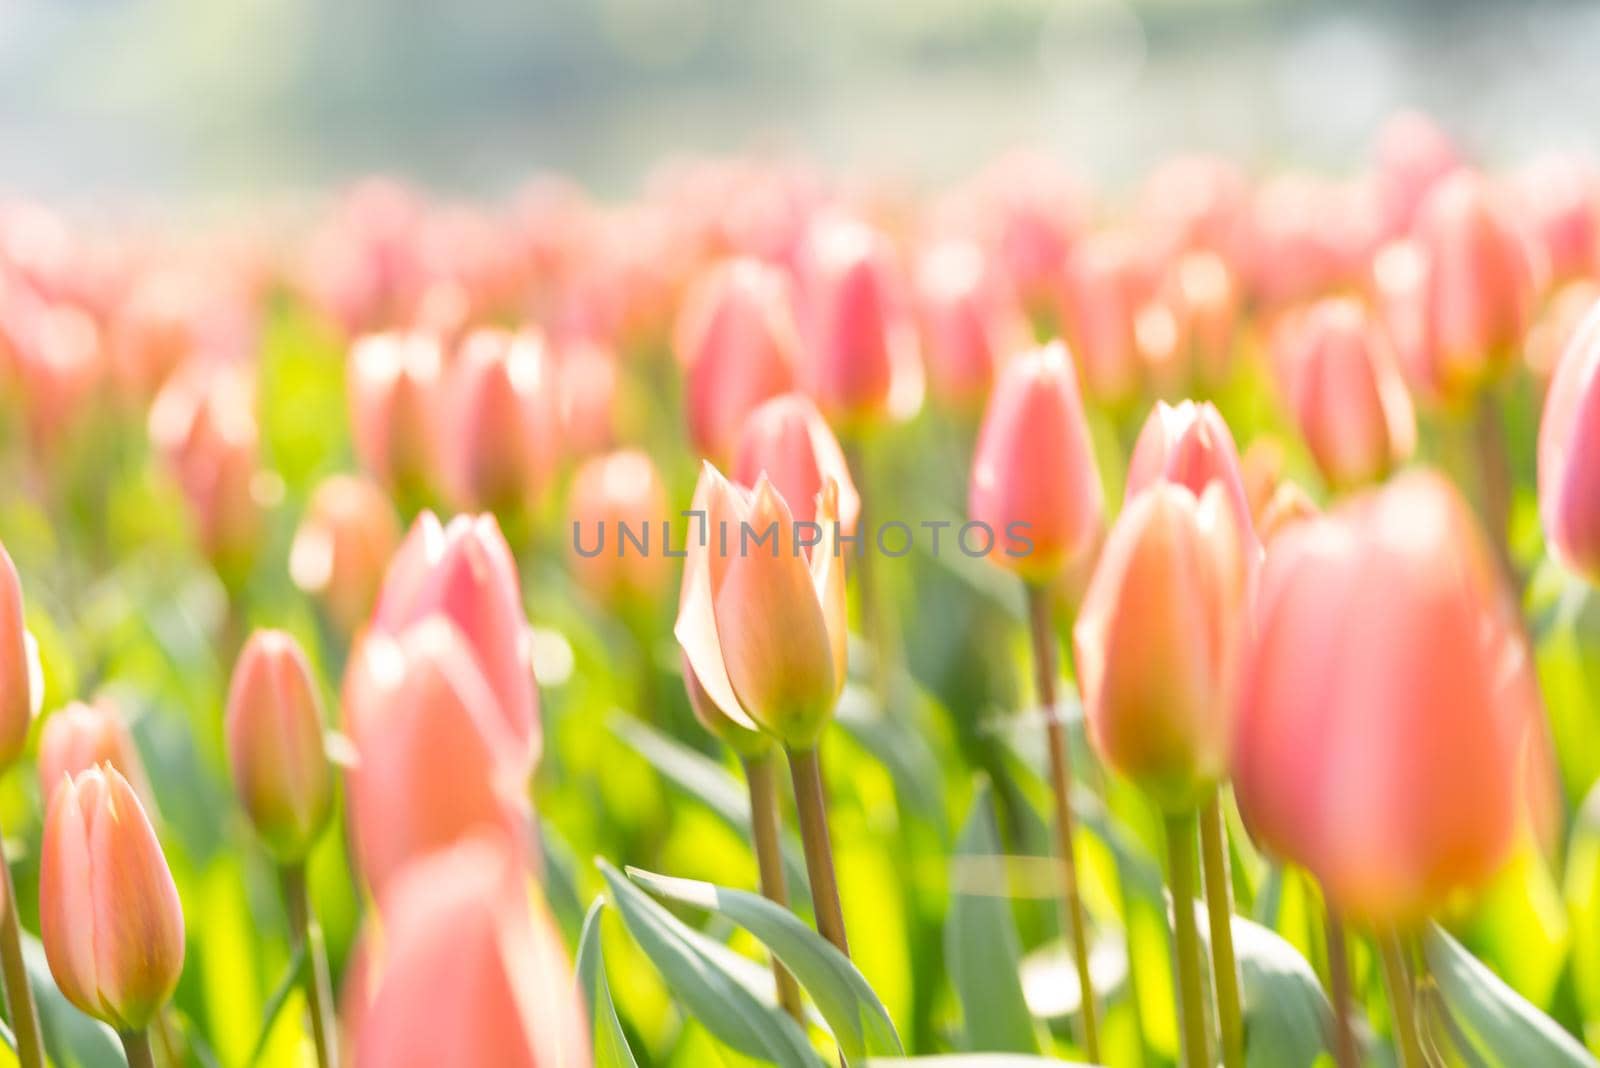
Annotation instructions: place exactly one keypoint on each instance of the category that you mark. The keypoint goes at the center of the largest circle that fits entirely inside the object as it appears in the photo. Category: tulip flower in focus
(787, 440)
(394, 382)
(970, 323)
(1034, 480)
(1347, 393)
(1190, 444)
(275, 745)
(342, 547)
(109, 914)
(505, 421)
(610, 492)
(1157, 642)
(473, 971)
(1386, 701)
(1569, 453)
(84, 735)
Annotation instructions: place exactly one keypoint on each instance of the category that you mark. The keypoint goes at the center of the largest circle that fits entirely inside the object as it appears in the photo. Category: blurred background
(161, 100)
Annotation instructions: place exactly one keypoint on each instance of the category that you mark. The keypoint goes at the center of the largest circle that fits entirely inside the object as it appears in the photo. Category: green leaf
(1287, 1018)
(1494, 1020)
(969, 1060)
(293, 973)
(611, 1048)
(1582, 891)
(711, 993)
(858, 1020)
(981, 941)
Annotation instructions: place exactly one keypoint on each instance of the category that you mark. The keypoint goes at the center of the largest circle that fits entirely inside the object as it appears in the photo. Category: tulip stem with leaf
(765, 833)
(1402, 1000)
(811, 802)
(1219, 912)
(1188, 981)
(319, 986)
(20, 1009)
(20, 692)
(1345, 1053)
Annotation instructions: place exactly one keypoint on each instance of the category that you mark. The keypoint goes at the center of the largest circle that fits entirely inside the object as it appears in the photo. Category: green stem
(1189, 988)
(1219, 912)
(1494, 466)
(1345, 1051)
(137, 1046)
(764, 833)
(1074, 923)
(1402, 1005)
(20, 1008)
(811, 801)
(319, 989)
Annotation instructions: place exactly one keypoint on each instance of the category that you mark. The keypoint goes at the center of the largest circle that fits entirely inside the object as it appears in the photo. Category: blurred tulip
(1288, 505)
(1563, 315)
(434, 757)
(1386, 703)
(60, 366)
(342, 546)
(394, 385)
(1032, 211)
(1559, 197)
(1347, 394)
(473, 971)
(862, 362)
(1309, 237)
(1104, 286)
(505, 421)
(738, 343)
(1157, 643)
(1569, 453)
(275, 745)
(1412, 156)
(588, 384)
(609, 493)
(970, 323)
(1192, 203)
(465, 572)
(762, 624)
(109, 914)
(1192, 446)
(1201, 297)
(787, 440)
(82, 736)
(21, 688)
(1034, 480)
(1261, 471)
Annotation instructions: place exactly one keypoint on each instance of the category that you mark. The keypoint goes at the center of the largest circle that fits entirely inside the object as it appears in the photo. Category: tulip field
(782, 617)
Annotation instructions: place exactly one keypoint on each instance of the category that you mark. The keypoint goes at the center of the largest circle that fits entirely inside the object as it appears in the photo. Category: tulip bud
(275, 746)
(1157, 643)
(1105, 284)
(1201, 296)
(505, 420)
(613, 493)
(82, 736)
(1347, 394)
(109, 914)
(1413, 156)
(1198, 202)
(394, 387)
(1034, 210)
(588, 380)
(21, 689)
(1560, 198)
(465, 572)
(1563, 316)
(732, 731)
(1569, 454)
(738, 343)
(1191, 445)
(342, 547)
(1033, 473)
(970, 323)
(1386, 703)
(473, 970)
(787, 440)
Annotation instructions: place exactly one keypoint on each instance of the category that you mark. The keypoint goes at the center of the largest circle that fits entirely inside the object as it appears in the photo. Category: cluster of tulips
(1313, 650)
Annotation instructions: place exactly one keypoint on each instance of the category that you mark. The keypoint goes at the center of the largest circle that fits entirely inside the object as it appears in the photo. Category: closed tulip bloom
(609, 493)
(464, 571)
(1157, 642)
(434, 758)
(84, 735)
(394, 384)
(1199, 299)
(762, 623)
(274, 732)
(1190, 444)
(738, 343)
(733, 729)
(1105, 284)
(1386, 702)
(20, 689)
(505, 420)
(588, 377)
(473, 970)
(787, 440)
(1034, 473)
(1412, 156)
(342, 547)
(1559, 196)
(1569, 454)
(1347, 394)
(109, 914)
(970, 323)
(1563, 316)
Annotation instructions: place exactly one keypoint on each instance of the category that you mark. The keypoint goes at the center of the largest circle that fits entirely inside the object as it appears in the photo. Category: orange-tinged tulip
(464, 571)
(1347, 394)
(1386, 701)
(1157, 643)
(1198, 202)
(1563, 316)
(1569, 453)
(787, 440)
(734, 732)
(1106, 283)
(342, 547)
(613, 493)
(1034, 480)
(434, 758)
(109, 914)
(1190, 444)
(1559, 196)
(1200, 297)
(588, 383)
(20, 688)
(970, 322)
(394, 384)
(473, 971)
(1033, 209)
(738, 342)
(275, 745)
(1288, 505)
(505, 420)
(82, 736)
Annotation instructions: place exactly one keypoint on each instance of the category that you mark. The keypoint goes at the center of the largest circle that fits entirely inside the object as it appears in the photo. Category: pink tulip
(1559, 322)
(1192, 446)
(394, 384)
(970, 322)
(612, 493)
(20, 689)
(1032, 210)
(1199, 302)
(342, 546)
(1288, 505)
(1413, 156)
(82, 736)
(109, 914)
(1559, 196)
(505, 420)
(274, 733)
(1106, 283)
(1386, 703)
(738, 343)
(473, 971)
(588, 379)
(787, 440)
(1569, 453)
(1193, 203)
(1157, 643)
(465, 572)
(1034, 480)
